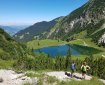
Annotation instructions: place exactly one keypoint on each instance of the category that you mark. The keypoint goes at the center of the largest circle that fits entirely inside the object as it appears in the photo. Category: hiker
(72, 68)
(84, 69)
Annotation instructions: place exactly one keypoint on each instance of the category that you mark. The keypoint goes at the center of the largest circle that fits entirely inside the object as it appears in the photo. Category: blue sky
(24, 12)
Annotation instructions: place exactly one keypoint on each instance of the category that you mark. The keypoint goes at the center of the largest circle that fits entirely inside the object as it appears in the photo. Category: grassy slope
(10, 50)
(4, 64)
(1, 50)
(44, 43)
(91, 82)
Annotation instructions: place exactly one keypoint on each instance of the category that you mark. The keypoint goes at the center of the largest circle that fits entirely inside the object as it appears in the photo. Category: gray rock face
(11, 78)
(102, 39)
(90, 13)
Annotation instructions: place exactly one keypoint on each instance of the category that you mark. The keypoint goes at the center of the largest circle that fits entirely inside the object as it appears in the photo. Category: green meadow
(85, 46)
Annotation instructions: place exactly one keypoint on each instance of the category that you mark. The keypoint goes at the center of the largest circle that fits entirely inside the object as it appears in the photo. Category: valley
(44, 52)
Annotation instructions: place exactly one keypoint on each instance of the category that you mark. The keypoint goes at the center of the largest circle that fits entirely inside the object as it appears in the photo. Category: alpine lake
(63, 50)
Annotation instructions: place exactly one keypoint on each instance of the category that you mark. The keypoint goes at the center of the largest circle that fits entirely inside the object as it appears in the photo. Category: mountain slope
(89, 18)
(34, 30)
(10, 49)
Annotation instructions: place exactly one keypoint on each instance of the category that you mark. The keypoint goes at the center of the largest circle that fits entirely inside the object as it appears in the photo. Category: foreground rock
(9, 77)
(12, 78)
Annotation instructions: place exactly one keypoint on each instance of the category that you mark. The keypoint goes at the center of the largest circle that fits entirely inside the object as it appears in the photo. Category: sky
(27, 12)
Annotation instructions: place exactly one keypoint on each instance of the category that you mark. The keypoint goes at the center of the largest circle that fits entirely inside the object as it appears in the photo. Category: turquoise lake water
(61, 50)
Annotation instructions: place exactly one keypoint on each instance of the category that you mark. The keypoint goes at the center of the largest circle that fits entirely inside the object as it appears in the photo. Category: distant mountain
(88, 21)
(34, 30)
(13, 29)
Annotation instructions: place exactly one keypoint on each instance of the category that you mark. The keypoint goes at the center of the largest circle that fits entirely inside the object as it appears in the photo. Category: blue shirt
(73, 66)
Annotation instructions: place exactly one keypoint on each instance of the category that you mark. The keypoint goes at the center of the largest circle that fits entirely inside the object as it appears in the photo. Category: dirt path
(61, 76)
(77, 76)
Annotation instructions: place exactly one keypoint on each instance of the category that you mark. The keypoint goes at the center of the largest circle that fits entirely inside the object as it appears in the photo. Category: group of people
(84, 69)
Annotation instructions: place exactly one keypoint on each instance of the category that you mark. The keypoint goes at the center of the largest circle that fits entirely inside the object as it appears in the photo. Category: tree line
(43, 62)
